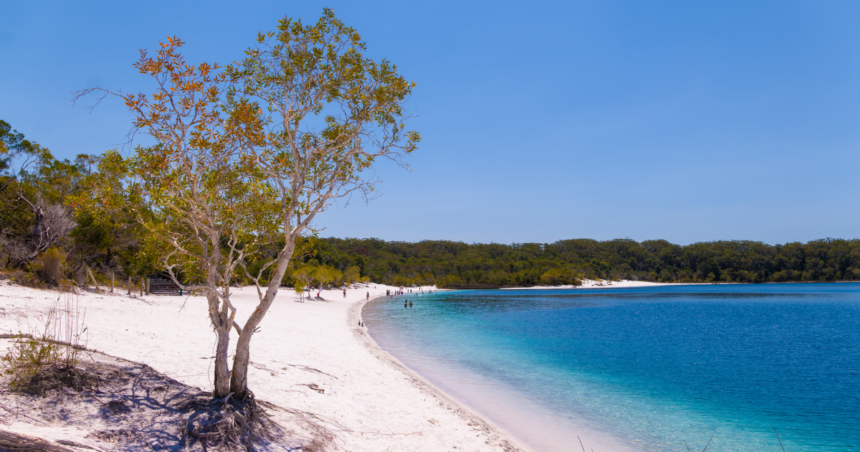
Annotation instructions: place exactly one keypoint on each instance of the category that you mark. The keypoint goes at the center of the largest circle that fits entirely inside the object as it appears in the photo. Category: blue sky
(686, 121)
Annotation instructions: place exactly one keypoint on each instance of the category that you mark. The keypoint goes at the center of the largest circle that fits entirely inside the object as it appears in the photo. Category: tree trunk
(141, 286)
(239, 374)
(112, 274)
(129, 285)
(222, 349)
(222, 322)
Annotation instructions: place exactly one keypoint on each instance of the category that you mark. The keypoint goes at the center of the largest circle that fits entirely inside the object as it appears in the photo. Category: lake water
(651, 369)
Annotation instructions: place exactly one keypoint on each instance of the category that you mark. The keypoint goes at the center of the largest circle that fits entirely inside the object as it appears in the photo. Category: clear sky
(686, 121)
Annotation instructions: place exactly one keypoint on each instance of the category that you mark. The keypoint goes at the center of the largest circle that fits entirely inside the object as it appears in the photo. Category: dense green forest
(457, 264)
(47, 237)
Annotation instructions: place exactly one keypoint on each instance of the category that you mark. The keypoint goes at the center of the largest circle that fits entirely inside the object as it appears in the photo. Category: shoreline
(472, 416)
(440, 364)
(515, 414)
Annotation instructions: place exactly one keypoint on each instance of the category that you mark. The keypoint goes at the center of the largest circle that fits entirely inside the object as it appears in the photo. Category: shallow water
(644, 369)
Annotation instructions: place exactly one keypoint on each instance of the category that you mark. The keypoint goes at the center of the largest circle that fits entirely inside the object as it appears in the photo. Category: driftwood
(93, 279)
(13, 442)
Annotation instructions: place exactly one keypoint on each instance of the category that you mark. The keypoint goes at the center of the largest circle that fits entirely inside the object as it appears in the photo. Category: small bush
(56, 347)
(51, 266)
(27, 357)
(25, 278)
(12, 275)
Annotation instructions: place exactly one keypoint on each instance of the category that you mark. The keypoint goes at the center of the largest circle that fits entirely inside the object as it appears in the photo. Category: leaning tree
(247, 155)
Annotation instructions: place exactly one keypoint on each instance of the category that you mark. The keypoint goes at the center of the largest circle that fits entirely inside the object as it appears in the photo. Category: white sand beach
(598, 284)
(370, 402)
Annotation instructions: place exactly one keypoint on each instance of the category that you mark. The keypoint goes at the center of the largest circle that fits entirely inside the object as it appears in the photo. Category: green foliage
(33, 188)
(455, 264)
(560, 276)
(303, 277)
(351, 274)
(317, 276)
(117, 227)
(299, 286)
(110, 216)
(29, 356)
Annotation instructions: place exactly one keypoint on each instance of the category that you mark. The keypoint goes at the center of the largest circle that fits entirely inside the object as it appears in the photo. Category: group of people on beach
(393, 293)
(390, 294)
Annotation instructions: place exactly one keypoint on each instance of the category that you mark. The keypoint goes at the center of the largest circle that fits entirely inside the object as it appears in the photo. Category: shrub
(56, 346)
(27, 357)
(50, 266)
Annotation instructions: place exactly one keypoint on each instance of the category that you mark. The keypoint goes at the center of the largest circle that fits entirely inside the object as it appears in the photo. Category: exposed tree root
(117, 404)
(229, 423)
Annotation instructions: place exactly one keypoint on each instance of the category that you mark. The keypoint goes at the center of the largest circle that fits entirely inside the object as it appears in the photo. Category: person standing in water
(404, 304)
(410, 305)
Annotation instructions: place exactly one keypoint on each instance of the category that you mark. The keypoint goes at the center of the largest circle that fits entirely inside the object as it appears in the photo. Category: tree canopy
(457, 264)
(245, 158)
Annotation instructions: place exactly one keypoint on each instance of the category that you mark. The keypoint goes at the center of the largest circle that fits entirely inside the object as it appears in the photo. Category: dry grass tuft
(49, 355)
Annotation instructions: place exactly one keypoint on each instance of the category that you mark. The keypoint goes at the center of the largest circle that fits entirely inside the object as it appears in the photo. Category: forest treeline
(47, 237)
(457, 264)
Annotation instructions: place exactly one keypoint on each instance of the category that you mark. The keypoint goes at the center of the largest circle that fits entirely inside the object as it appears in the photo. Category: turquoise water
(654, 367)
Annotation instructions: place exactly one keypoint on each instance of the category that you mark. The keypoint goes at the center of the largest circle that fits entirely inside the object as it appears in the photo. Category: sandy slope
(370, 402)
